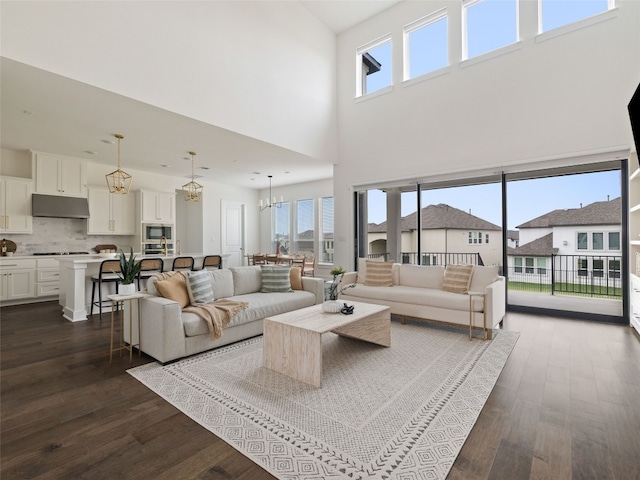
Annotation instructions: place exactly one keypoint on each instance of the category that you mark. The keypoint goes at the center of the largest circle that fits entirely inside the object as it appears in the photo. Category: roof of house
(540, 247)
(597, 213)
(513, 234)
(441, 216)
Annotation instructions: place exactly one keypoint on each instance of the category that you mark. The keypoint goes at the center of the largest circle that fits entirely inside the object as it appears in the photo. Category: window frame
(406, 44)
(466, 59)
(360, 78)
(571, 26)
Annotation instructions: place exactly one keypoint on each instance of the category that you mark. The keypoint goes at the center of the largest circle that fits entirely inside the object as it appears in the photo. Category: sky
(527, 199)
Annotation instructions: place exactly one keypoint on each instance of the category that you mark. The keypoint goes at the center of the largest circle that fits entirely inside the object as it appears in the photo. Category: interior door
(233, 232)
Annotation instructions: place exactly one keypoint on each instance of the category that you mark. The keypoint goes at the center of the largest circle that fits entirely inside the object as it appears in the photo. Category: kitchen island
(75, 279)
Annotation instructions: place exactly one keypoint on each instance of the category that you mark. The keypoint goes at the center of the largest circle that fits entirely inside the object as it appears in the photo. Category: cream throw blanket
(217, 315)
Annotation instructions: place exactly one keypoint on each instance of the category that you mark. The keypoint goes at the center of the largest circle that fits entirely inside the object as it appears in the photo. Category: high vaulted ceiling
(46, 112)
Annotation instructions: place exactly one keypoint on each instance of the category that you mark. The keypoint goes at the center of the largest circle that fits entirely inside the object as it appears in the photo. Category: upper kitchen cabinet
(15, 205)
(157, 207)
(56, 175)
(110, 213)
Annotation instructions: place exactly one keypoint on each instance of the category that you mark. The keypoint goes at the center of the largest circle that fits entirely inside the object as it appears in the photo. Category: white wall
(262, 69)
(548, 99)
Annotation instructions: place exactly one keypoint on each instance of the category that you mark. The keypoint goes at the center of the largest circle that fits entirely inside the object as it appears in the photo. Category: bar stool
(148, 268)
(106, 274)
(182, 263)
(211, 262)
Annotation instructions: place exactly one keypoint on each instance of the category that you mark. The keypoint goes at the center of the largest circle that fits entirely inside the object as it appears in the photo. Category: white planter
(332, 306)
(128, 289)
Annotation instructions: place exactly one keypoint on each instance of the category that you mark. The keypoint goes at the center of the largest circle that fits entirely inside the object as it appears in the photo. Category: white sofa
(168, 333)
(417, 292)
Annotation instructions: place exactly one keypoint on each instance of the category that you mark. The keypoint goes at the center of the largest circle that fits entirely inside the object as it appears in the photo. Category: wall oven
(155, 232)
(156, 248)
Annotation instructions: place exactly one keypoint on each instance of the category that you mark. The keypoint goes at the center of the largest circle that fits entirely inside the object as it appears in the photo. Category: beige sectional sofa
(417, 291)
(168, 333)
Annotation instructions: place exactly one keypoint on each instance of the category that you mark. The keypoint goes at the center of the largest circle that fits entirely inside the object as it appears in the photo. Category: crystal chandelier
(271, 201)
(192, 190)
(119, 181)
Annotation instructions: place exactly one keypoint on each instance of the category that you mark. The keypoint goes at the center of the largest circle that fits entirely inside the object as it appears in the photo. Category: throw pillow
(457, 278)
(378, 274)
(199, 287)
(275, 278)
(295, 277)
(174, 288)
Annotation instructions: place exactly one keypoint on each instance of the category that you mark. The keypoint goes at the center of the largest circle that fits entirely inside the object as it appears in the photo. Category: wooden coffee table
(292, 341)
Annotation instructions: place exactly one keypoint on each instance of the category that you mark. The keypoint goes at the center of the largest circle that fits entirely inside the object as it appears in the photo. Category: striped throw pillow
(275, 278)
(457, 278)
(378, 274)
(199, 286)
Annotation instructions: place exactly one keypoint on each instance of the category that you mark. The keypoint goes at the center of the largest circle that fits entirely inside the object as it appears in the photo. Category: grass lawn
(568, 289)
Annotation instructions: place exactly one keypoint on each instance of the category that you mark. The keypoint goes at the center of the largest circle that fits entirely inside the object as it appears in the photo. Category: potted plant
(333, 305)
(129, 269)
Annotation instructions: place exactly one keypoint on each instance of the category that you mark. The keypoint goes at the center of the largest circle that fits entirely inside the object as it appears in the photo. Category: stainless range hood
(59, 207)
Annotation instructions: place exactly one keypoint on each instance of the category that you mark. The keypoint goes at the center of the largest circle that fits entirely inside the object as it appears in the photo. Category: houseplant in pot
(333, 305)
(129, 269)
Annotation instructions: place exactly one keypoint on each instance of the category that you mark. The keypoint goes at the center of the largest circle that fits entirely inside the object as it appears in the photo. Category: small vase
(332, 306)
(128, 289)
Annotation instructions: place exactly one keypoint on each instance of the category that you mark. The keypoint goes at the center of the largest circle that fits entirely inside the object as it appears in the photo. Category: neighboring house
(513, 238)
(445, 230)
(583, 243)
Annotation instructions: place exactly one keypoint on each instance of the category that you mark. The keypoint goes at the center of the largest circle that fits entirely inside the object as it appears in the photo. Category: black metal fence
(596, 276)
(435, 258)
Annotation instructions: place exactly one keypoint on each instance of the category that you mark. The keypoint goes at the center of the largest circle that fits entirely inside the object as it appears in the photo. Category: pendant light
(271, 201)
(119, 181)
(192, 190)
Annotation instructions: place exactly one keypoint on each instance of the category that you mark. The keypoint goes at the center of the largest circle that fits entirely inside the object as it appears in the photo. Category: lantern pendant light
(119, 181)
(192, 190)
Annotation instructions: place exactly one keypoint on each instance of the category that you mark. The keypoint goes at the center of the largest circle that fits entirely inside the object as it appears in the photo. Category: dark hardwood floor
(566, 406)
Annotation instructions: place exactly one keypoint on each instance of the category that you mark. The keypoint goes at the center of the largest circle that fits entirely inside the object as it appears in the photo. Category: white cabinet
(157, 207)
(47, 281)
(110, 213)
(17, 279)
(15, 205)
(60, 176)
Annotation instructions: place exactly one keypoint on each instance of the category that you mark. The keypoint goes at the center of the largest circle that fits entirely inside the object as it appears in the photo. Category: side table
(484, 313)
(116, 301)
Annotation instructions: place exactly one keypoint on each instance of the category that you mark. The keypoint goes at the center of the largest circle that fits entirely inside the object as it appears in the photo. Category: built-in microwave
(154, 232)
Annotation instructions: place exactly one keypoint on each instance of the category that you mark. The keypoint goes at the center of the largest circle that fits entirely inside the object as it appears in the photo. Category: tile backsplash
(64, 235)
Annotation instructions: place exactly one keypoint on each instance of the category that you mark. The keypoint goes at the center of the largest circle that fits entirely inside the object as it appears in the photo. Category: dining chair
(107, 273)
(272, 258)
(148, 268)
(212, 262)
(259, 259)
(182, 263)
(309, 268)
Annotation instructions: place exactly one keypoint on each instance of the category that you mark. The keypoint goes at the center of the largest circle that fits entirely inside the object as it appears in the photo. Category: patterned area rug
(382, 413)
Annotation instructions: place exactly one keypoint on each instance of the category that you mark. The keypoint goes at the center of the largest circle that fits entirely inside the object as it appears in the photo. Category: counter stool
(212, 262)
(105, 275)
(182, 263)
(148, 268)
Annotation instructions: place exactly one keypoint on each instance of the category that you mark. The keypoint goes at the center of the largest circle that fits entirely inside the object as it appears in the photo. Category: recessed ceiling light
(164, 165)
(204, 168)
(108, 141)
(287, 172)
(90, 152)
(256, 173)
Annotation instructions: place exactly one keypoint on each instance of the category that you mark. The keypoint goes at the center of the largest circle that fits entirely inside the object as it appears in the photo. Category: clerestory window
(426, 45)
(374, 66)
(488, 25)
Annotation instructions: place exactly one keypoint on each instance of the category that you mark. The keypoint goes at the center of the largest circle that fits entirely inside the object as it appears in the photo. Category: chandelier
(192, 190)
(119, 181)
(271, 201)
